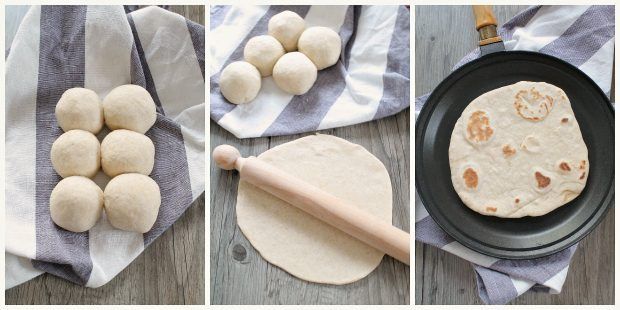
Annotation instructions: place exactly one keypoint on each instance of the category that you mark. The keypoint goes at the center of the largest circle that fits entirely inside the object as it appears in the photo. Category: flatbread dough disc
(517, 151)
(296, 241)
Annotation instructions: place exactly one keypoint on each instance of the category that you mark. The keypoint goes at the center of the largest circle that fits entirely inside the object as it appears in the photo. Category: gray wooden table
(444, 34)
(170, 271)
(239, 275)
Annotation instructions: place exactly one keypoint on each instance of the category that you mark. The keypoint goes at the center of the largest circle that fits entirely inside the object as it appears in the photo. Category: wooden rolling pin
(318, 203)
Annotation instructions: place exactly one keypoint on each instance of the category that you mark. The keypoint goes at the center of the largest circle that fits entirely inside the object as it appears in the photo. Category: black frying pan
(527, 237)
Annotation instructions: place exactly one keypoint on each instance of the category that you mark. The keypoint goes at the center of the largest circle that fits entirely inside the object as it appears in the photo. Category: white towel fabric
(97, 47)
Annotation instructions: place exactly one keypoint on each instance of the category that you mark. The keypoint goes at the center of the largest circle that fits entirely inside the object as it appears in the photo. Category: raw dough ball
(263, 52)
(132, 202)
(322, 45)
(286, 26)
(80, 108)
(76, 152)
(76, 203)
(240, 82)
(124, 151)
(129, 107)
(296, 241)
(294, 73)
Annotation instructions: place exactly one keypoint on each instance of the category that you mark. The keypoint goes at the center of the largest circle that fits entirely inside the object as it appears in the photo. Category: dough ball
(131, 202)
(76, 152)
(76, 203)
(322, 45)
(124, 151)
(263, 52)
(294, 73)
(286, 26)
(79, 108)
(240, 82)
(129, 107)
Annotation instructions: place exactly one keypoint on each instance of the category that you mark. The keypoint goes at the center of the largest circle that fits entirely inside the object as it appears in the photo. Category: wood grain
(238, 273)
(443, 278)
(170, 271)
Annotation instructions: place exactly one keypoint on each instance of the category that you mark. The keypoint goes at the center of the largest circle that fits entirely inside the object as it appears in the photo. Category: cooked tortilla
(518, 151)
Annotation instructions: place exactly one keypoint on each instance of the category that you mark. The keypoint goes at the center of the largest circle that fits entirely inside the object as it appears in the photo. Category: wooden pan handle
(486, 24)
(334, 211)
(484, 16)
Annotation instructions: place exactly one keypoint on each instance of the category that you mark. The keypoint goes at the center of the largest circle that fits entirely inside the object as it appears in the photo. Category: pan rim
(533, 252)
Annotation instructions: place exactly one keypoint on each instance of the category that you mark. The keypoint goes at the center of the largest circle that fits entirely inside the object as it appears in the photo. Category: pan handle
(486, 24)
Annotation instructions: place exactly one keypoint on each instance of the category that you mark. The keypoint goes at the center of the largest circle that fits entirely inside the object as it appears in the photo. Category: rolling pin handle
(226, 156)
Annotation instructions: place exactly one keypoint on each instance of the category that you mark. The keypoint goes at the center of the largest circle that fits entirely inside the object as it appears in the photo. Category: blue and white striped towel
(370, 81)
(97, 47)
(584, 37)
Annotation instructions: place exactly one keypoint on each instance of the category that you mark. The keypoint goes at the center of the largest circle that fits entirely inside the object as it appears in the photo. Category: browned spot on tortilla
(583, 175)
(582, 165)
(550, 100)
(565, 120)
(491, 209)
(542, 180)
(517, 200)
(524, 98)
(471, 178)
(478, 127)
(564, 166)
(508, 151)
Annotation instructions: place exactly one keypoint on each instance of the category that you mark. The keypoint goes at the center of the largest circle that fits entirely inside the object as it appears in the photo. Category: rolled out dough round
(300, 243)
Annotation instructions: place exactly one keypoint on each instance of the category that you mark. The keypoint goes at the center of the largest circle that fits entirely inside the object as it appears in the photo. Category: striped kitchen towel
(584, 37)
(370, 81)
(97, 47)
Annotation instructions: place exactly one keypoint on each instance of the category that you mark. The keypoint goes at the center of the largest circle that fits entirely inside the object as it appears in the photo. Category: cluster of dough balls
(291, 53)
(131, 199)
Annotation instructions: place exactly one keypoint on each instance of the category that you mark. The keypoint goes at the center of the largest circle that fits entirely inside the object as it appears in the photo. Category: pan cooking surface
(527, 237)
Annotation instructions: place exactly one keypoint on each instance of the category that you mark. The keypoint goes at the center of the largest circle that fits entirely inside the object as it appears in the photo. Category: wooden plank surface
(170, 271)
(238, 273)
(442, 278)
